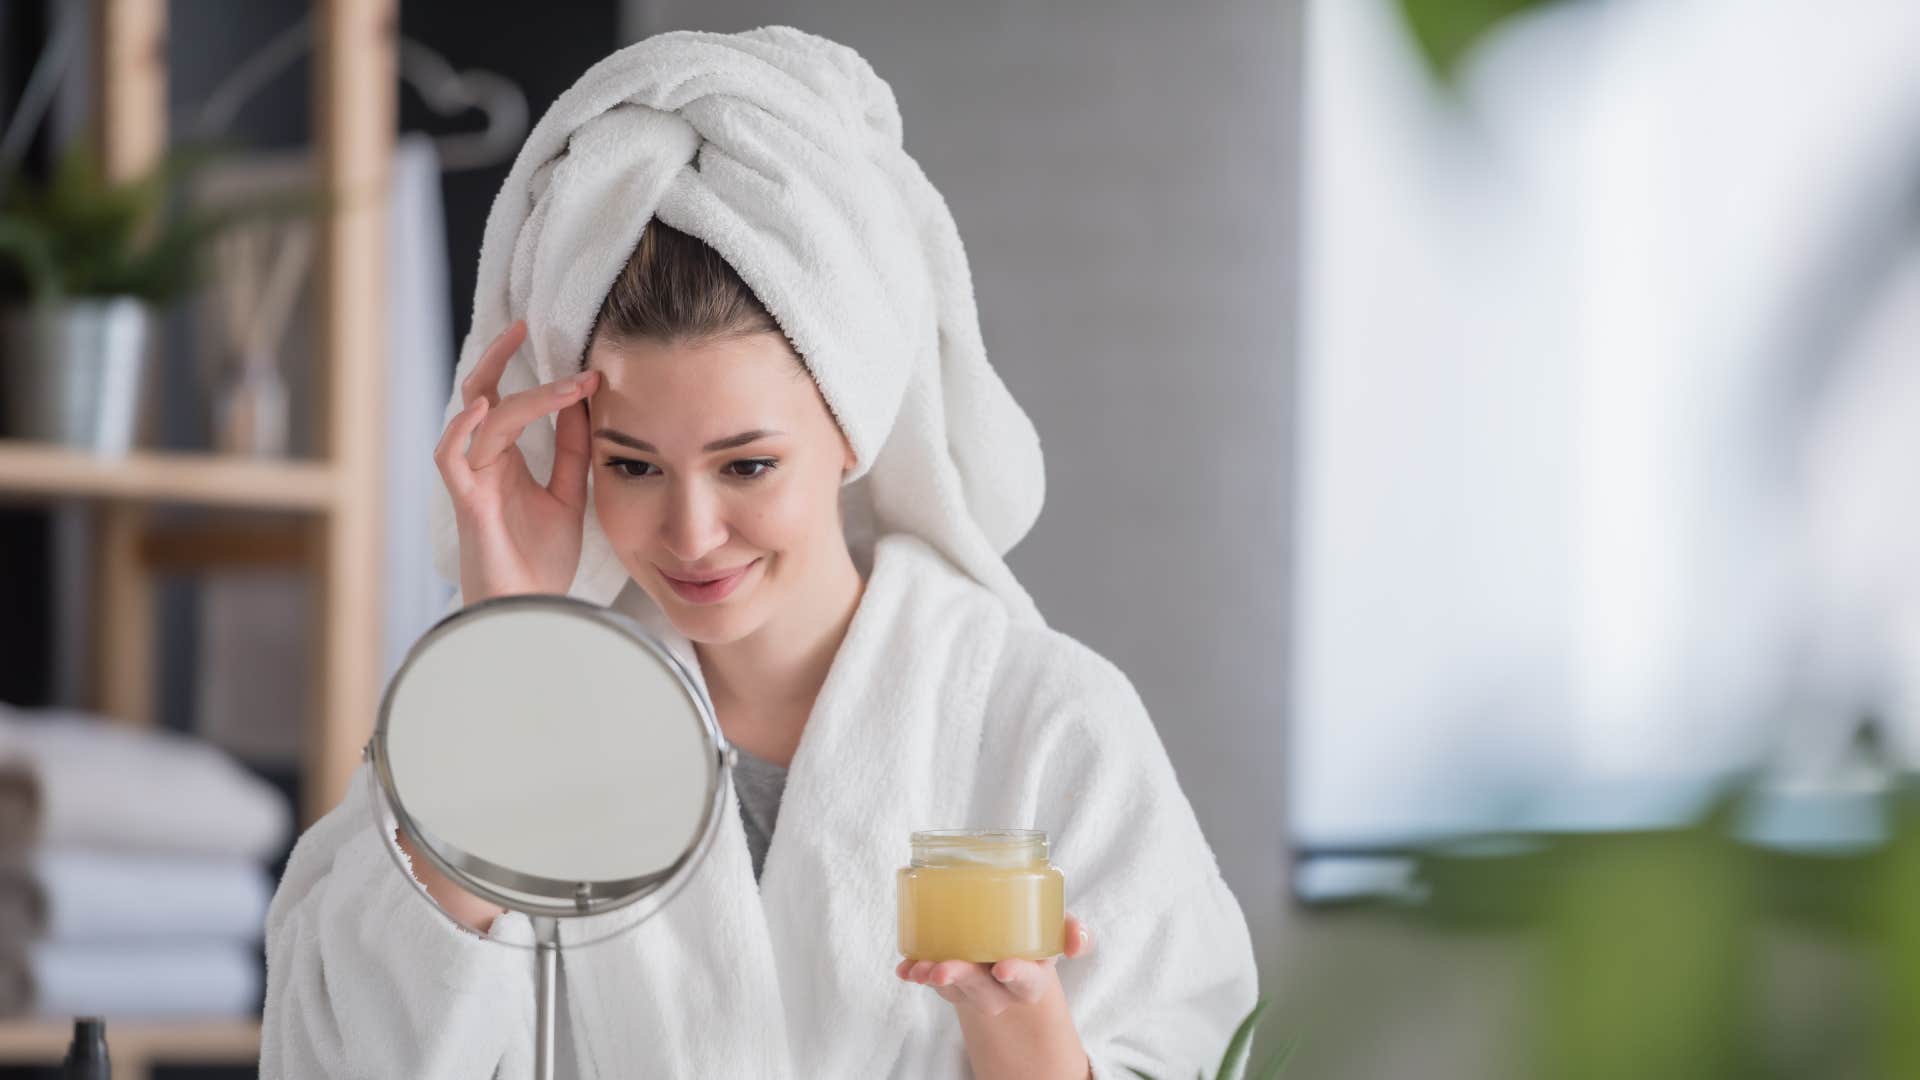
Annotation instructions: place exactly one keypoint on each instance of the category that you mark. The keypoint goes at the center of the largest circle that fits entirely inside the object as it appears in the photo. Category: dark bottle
(87, 1054)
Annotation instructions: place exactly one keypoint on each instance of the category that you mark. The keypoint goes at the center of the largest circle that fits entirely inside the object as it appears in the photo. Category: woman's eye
(761, 467)
(747, 469)
(627, 466)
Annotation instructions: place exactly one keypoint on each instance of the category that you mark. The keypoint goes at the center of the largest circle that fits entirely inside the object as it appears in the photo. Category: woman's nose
(693, 525)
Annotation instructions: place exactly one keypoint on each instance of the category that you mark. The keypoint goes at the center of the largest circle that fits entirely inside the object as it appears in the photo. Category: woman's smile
(710, 591)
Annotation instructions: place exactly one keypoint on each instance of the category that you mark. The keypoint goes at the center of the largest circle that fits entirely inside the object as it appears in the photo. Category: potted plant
(1233, 1063)
(86, 265)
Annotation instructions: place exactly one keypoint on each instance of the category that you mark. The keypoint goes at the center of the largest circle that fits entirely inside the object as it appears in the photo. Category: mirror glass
(551, 756)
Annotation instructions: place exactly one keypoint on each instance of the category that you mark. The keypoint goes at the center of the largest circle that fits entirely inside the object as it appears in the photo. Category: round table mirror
(550, 756)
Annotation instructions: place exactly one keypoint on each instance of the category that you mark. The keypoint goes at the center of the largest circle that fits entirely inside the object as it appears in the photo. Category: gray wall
(1123, 177)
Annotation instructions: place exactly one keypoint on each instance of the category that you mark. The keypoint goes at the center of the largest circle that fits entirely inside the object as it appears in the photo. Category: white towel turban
(781, 150)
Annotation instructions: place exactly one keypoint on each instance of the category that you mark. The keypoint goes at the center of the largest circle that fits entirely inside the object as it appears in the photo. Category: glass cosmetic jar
(981, 895)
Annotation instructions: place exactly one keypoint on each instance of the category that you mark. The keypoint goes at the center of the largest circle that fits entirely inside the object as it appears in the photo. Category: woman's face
(711, 459)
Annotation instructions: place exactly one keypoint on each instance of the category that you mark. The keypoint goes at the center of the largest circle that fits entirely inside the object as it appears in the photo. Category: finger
(450, 454)
(1023, 979)
(1079, 938)
(973, 983)
(511, 416)
(570, 449)
(942, 974)
(950, 973)
(484, 379)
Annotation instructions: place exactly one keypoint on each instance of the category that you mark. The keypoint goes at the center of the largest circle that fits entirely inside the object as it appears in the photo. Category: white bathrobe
(939, 711)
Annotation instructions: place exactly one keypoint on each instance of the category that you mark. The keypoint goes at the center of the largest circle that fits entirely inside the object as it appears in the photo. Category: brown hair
(677, 289)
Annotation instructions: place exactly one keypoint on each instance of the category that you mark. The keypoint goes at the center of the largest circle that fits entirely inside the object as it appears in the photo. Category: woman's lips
(711, 592)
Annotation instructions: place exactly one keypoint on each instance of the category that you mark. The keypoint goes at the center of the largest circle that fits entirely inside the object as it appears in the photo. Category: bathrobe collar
(904, 700)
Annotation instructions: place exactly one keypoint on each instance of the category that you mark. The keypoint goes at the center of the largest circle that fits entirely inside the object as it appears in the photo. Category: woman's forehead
(762, 352)
(689, 395)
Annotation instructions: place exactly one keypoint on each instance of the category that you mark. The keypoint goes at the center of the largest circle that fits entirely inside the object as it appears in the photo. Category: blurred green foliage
(1893, 922)
(1447, 30)
(1651, 942)
(79, 233)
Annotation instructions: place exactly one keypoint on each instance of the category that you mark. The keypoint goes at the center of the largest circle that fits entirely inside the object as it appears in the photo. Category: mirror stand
(546, 936)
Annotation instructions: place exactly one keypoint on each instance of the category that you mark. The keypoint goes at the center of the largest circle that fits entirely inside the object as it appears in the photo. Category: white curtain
(1562, 352)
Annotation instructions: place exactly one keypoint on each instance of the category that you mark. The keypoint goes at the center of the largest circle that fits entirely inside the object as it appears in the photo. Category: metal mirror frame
(568, 899)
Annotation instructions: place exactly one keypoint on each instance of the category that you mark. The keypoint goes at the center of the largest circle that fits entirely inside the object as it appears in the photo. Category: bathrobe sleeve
(1172, 971)
(365, 979)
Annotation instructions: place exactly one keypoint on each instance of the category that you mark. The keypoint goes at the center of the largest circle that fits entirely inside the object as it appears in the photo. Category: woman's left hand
(992, 988)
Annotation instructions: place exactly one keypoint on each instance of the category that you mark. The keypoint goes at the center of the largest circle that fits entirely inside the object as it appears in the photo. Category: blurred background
(1477, 427)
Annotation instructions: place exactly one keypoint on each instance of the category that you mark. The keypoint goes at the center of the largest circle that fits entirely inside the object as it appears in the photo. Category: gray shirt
(759, 784)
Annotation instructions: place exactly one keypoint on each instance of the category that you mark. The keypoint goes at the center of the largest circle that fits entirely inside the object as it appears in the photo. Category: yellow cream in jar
(981, 895)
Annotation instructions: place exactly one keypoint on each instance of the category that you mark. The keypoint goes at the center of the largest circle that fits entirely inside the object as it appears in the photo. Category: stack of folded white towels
(133, 871)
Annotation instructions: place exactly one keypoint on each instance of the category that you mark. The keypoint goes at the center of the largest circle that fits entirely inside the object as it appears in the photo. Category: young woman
(872, 687)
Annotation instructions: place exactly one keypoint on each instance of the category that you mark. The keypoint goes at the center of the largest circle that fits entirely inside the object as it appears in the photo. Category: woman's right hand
(516, 536)
(462, 906)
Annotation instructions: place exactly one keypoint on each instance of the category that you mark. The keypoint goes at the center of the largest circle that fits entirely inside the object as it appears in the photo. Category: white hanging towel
(940, 710)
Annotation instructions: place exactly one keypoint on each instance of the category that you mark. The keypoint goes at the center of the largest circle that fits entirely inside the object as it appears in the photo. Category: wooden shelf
(335, 500)
(340, 494)
(338, 498)
(44, 470)
(199, 1042)
(228, 541)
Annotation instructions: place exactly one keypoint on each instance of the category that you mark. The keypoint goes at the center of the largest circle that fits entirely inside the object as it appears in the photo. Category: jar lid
(996, 847)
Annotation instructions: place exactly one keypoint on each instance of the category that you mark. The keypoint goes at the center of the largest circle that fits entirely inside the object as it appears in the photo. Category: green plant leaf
(1446, 30)
(1233, 1063)
(1277, 1064)
(1647, 955)
(82, 234)
(26, 246)
(1897, 929)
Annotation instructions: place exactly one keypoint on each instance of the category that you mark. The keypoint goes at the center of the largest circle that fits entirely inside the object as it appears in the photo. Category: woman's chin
(708, 624)
(707, 627)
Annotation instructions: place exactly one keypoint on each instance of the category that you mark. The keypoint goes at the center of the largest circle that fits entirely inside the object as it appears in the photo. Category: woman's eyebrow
(727, 443)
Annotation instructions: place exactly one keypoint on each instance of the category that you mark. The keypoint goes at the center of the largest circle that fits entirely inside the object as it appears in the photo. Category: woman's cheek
(623, 519)
(790, 520)
(788, 517)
